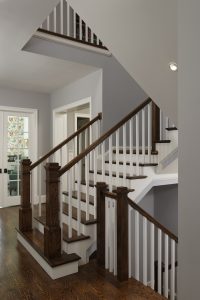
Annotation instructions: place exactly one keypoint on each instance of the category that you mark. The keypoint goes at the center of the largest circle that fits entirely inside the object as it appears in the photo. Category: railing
(114, 157)
(31, 191)
(131, 243)
(65, 22)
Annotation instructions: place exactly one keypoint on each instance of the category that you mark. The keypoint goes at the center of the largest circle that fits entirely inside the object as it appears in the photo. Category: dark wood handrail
(152, 220)
(103, 137)
(71, 137)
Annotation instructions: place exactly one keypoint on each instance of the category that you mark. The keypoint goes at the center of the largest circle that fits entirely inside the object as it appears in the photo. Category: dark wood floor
(22, 278)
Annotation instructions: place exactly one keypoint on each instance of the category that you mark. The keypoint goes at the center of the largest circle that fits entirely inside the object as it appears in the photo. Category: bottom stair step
(36, 240)
(75, 237)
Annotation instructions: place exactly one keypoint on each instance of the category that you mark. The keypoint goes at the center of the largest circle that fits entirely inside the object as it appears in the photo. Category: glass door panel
(16, 148)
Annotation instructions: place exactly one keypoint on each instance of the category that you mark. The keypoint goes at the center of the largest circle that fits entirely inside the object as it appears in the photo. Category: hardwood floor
(22, 278)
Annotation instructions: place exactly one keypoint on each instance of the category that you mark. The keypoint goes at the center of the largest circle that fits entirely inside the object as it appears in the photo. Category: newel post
(25, 211)
(155, 125)
(52, 230)
(101, 189)
(122, 233)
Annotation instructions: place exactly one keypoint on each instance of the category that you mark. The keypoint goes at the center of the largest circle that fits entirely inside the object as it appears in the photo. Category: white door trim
(66, 107)
(76, 116)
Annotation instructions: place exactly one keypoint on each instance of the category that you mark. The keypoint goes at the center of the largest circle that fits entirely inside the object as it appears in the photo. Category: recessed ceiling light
(173, 66)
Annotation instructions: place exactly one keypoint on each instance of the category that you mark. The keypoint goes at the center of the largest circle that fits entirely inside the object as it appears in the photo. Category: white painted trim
(66, 107)
(54, 273)
(76, 44)
(76, 116)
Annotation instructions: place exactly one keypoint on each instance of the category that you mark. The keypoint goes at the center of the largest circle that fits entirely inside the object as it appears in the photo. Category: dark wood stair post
(52, 230)
(101, 189)
(155, 125)
(25, 211)
(122, 233)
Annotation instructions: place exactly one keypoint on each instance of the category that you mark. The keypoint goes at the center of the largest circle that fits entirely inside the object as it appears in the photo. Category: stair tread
(171, 128)
(120, 175)
(75, 214)
(91, 183)
(83, 196)
(75, 237)
(121, 151)
(163, 141)
(134, 164)
(36, 239)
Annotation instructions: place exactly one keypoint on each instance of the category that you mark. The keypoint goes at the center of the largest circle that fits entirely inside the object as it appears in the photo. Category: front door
(15, 130)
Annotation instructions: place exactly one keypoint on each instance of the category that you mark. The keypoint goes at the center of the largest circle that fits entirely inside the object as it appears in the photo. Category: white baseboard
(54, 273)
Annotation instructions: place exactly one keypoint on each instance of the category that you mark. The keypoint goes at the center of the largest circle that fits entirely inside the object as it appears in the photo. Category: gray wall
(41, 102)
(121, 93)
(189, 166)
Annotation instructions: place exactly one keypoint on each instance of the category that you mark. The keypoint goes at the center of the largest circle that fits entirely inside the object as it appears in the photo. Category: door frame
(33, 154)
(76, 116)
(66, 107)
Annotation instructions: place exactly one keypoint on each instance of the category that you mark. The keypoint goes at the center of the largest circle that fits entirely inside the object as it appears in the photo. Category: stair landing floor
(22, 278)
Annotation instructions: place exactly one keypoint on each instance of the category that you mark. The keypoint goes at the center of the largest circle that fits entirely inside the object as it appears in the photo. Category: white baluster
(61, 212)
(149, 132)
(117, 156)
(68, 19)
(161, 125)
(166, 284)
(103, 161)
(144, 251)
(152, 237)
(86, 138)
(74, 25)
(48, 23)
(92, 37)
(95, 181)
(172, 285)
(137, 247)
(124, 155)
(130, 212)
(61, 17)
(111, 237)
(143, 135)
(137, 145)
(131, 143)
(110, 163)
(107, 219)
(115, 235)
(87, 185)
(55, 19)
(79, 197)
(40, 189)
(69, 202)
(159, 261)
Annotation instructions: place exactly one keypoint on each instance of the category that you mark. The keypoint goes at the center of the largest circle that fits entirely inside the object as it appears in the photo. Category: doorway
(16, 143)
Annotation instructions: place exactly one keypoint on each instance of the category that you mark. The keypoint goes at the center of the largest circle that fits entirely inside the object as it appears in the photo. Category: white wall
(121, 93)
(189, 145)
(142, 35)
(41, 102)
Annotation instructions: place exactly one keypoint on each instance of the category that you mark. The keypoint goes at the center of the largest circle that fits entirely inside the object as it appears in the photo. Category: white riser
(83, 205)
(131, 169)
(85, 229)
(79, 247)
(165, 149)
(153, 158)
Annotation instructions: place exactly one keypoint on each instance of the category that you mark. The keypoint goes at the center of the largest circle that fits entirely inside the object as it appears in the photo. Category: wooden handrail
(152, 220)
(71, 137)
(103, 137)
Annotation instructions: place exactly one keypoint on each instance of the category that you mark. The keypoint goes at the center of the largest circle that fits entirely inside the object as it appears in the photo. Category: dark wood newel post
(25, 211)
(155, 125)
(52, 231)
(101, 189)
(122, 234)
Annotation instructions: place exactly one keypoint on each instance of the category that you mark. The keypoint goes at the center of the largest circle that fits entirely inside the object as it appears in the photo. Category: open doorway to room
(67, 120)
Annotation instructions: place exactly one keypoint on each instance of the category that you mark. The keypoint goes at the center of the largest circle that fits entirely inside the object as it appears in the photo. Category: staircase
(92, 201)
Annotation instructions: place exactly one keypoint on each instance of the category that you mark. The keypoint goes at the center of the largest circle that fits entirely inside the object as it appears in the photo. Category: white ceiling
(19, 19)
